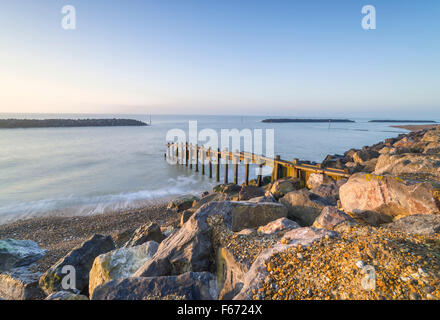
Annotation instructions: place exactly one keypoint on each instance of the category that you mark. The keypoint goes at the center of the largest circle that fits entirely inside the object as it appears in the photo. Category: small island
(304, 120)
(60, 123)
(403, 121)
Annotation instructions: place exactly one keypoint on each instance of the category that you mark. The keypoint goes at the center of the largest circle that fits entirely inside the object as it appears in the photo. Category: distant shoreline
(69, 123)
(304, 120)
(403, 121)
(417, 127)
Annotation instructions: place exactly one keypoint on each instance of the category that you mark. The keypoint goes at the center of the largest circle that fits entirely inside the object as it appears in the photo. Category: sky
(244, 57)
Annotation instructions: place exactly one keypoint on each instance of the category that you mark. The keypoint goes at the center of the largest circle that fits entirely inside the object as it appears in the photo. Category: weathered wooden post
(186, 154)
(276, 169)
(218, 165)
(295, 170)
(202, 156)
(246, 172)
(226, 156)
(210, 163)
(236, 159)
(191, 155)
(260, 175)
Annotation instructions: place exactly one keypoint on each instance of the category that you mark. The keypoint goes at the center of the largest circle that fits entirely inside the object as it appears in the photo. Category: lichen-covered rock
(228, 188)
(283, 186)
(81, 259)
(365, 155)
(145, 233)
(120, 263)
(329, 191)
(282, 224)
(66, 295)
(330, 217)
(381, 198)
(265, 198)
(20, 284)
(424, 224)
(303, 206)
(409, 164)
(182, 203)
(188, 286)
(18, 253)
(249, 192)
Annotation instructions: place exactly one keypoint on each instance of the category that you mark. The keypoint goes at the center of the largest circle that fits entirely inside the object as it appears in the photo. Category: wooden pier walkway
(204, 160)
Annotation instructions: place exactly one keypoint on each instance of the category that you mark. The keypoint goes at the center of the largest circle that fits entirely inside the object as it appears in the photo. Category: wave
(72, 205)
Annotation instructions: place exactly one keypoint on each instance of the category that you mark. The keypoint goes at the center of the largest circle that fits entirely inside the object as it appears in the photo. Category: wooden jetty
(204, 160)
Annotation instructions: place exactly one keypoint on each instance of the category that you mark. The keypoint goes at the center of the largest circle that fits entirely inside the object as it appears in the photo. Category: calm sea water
(79, 171)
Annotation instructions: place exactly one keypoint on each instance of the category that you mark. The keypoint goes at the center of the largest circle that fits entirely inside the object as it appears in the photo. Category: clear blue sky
(306, 58)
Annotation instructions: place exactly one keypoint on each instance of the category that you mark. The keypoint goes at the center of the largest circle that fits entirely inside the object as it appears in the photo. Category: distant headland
(305, 120)
(60, 123)
(404, 121)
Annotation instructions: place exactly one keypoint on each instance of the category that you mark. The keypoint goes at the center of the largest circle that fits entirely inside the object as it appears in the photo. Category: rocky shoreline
(373, 236)
(60, 123)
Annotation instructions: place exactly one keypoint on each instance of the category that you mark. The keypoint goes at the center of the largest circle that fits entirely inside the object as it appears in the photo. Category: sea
(92, 170)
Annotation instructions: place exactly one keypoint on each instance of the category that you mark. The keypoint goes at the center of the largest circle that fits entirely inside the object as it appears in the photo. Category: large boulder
(425, 224)
(209, 198)
(303, 206)
(265, 198)
(279, 225)
(230, 273)
(120, 263)
(191, 249)
(66, 295)
(283, 186)
(20, 284)
(182, 203)
(188, 286)
(249, 192)
(18, 253)
(258, 271)
(227, 188)
(364, 155)
(317, 179)
(409, 164)
(329, 191)
(81, 259)
(381, 198)
(330, 217)
(145, 233)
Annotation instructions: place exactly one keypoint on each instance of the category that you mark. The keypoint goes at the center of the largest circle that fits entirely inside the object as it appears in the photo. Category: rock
(329, 191)
(209, 198)
(425, 224)
(18, 253)
(364, 155)
(182, 203)
(258, 272)
(303, 206)
(191, 249)
(282, 224)
(185, 215)
(145, 233)
(230, 273)
(66, 295)
(123, 237)
(247, 232)
(188, 286)
(120, 263)
(20, 284)
(317, 179)
(251, 214)
(81, 259)
(249, 192)
(265, 198)
(228, 188)
(283, 186)
(333, 161)
(307, 235)
(330, 217)
(378, 199)
(407, 164)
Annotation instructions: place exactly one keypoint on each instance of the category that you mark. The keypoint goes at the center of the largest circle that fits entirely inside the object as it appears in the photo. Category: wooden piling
(202, 154)
(218, 165)
(226, 166)
(210, 163)
(197, 158)
(236, 160)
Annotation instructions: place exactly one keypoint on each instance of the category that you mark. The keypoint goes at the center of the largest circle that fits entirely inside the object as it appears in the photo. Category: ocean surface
(82, 171)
